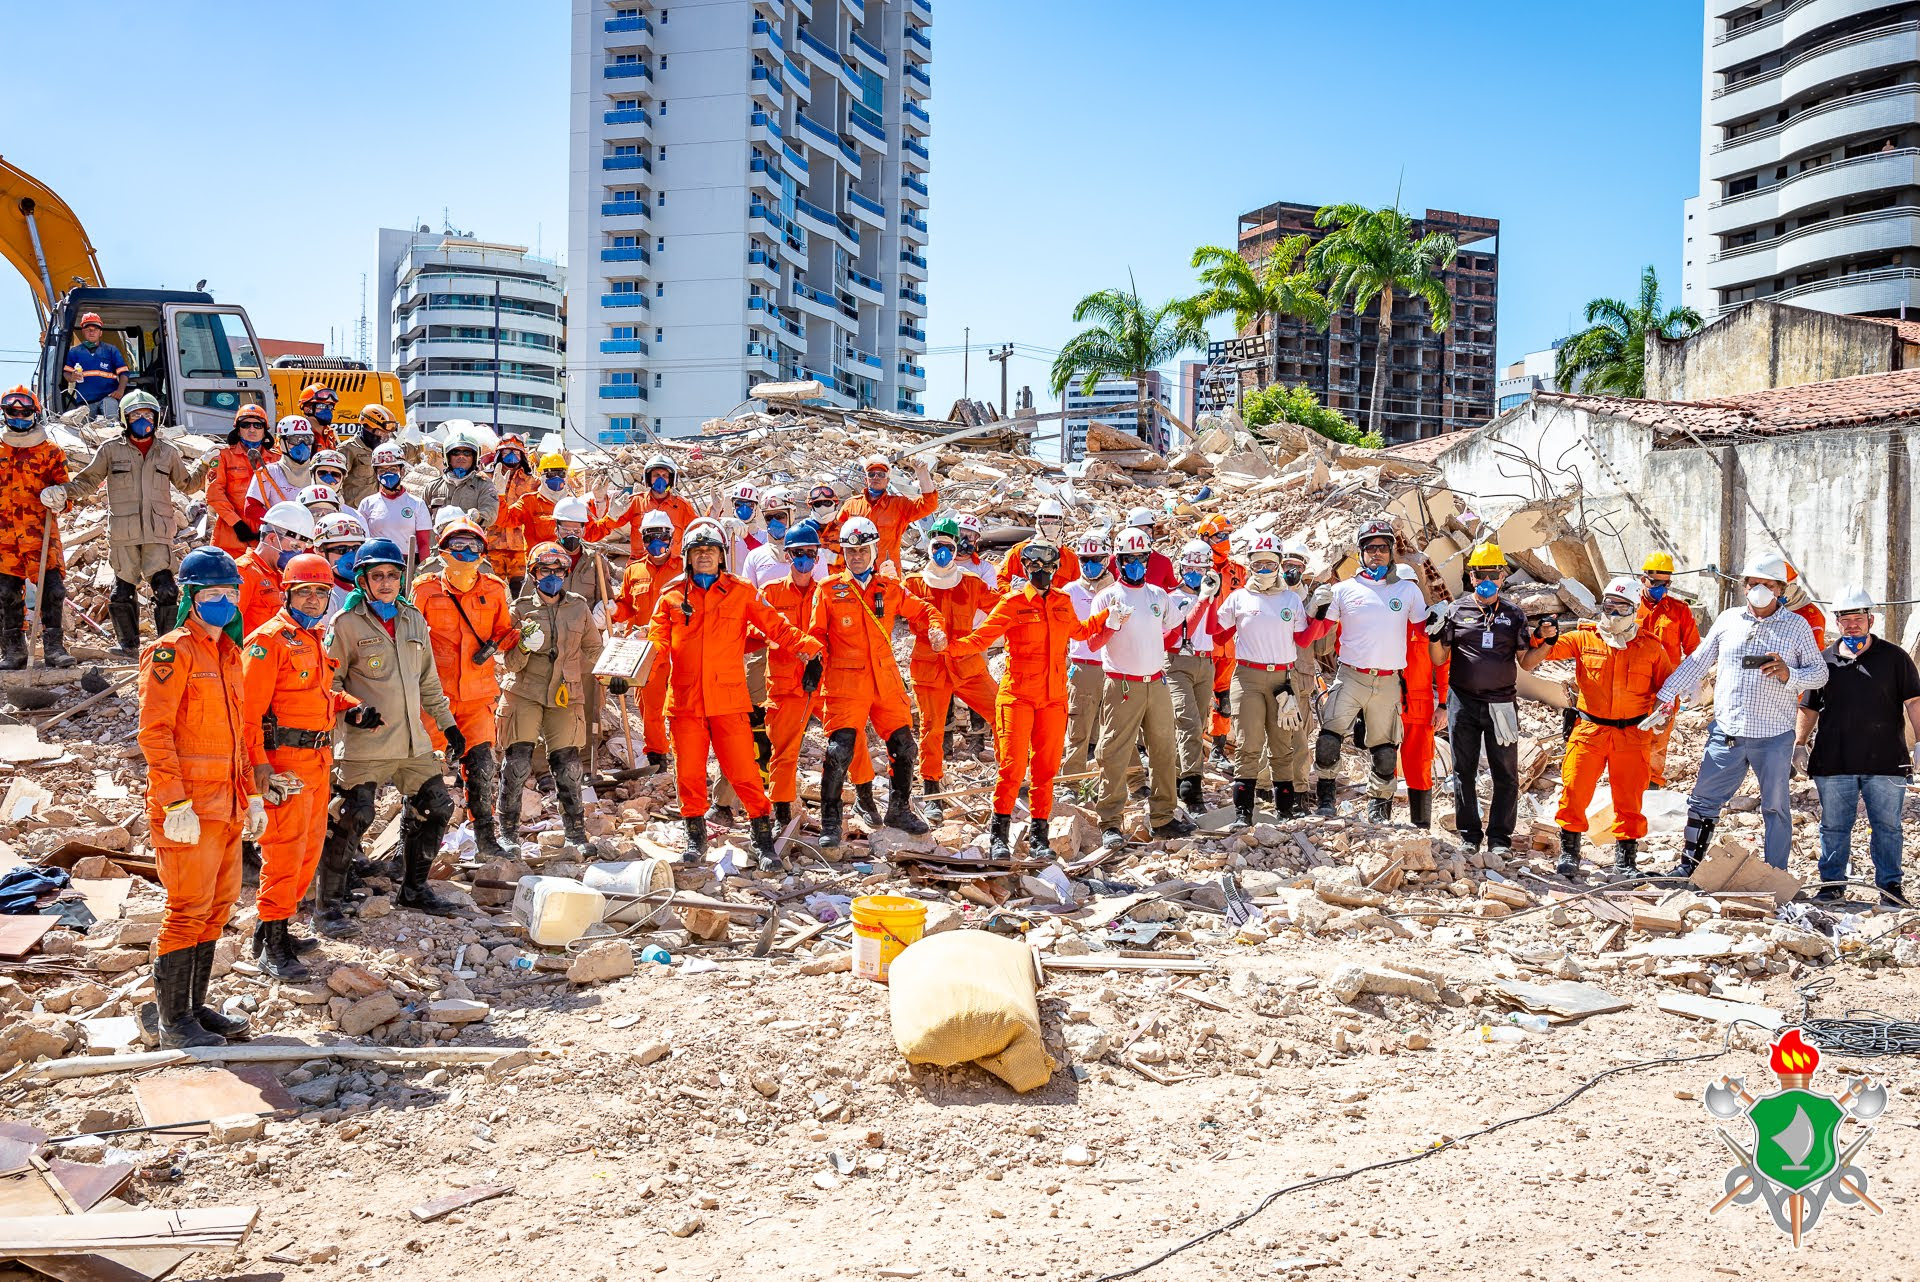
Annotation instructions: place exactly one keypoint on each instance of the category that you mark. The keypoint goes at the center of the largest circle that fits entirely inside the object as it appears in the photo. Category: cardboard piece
(1732, 864)
(200, 1094)
(20, 935)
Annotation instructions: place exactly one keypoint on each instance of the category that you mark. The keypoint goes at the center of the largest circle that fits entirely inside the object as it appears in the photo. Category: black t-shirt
(1485, 640)
(1863, 721)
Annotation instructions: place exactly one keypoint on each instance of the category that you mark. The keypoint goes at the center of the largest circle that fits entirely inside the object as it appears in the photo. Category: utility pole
(966, 357)
(496, 358)
(1001, 354)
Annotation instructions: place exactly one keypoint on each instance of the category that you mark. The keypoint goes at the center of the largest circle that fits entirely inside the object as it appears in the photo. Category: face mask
(1191, 578)
(658, 547)
(19, 425)
(943, 554)
(1486, 589)
(286, 555)
(1264, 580)
(571, 542)
(1042, 579)
(462, 574)
(705, 580)
(458, 472)
(804, 562)
(91, 344)
(1618, 623)
(1134, 571)
(1292, 577)
(863, 576)
(342, 562)
(776, 528)
(140, 428)
(464, 554)
(823, 512)
(300, 452)
(1656, 591)
(744, 511)
(873, 495)
(305, 620)
(556, 483)
(322, 414)
(386, 610)
(390, 480)
(551, 583)
(1377, 572)
(1760, 596)
(1091, 569)
(509, 459)
(658, 485)
(1854, 645)
(217, 613)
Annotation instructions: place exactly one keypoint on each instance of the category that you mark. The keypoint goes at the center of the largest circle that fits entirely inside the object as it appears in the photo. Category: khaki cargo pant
(408, 775)
(1127, 710)
(1086, 691)
(1374, 699)
(723, 793)
(1256, 713)
(530, 721)
(136, 562)
(1190, 682)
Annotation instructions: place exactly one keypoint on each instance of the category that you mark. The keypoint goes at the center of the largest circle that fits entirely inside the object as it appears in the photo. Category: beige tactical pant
(1190, 682)
(723, 793)
(530, 721)
(1256, 717)
(135, 562)
(1086, 691)
(1373, 699)
(408, 775)
(1129, 709)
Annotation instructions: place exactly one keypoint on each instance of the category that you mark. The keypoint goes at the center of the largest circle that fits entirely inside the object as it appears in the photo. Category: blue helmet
(804, 535)
(209, 568)
(377, 552)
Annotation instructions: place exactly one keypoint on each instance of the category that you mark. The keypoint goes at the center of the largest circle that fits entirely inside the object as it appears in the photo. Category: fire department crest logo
(1797, 1159)
(1394, 605)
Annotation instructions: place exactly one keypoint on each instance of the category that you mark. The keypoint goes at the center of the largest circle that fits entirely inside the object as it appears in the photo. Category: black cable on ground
(1854, 1036)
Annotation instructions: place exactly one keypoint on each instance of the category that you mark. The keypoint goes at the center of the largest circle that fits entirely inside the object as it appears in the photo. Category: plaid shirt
(1747, 704)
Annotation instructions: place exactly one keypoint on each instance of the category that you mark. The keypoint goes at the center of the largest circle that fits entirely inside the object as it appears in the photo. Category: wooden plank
(448, 1203)
(90, 1183)
(118, 1266)
(29, 1191)
(1731, 864)
(1693, 1006)
(217, 1227)
(20, 935)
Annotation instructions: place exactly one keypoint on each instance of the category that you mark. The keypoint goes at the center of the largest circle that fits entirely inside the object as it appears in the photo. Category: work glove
(1546, 630)
(600, 615)
(1118, 613)
(1318, 602)
(456, 743)
(1223, 702)
(282, 786)
(533, 639)
(365, 717)
(1210, 585)
(936, 640)
(1291, 717)
(181, 826)
(1802, 753)
(1438, 615)
(255, 824)
(617, 686)
(245, 533)
(810, 674)
(1660, 715)
(54, 498)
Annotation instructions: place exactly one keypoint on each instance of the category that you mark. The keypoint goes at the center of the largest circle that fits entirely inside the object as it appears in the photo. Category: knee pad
(433, 803)
(124, 593)
(13, 589)
(900, 742)
(840, 746)
(479, 757)
(1385, 757)
(1326, 750)
(357, 806)
(165, 592)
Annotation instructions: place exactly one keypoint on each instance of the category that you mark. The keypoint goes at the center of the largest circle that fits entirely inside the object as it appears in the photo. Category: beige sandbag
(967, 996)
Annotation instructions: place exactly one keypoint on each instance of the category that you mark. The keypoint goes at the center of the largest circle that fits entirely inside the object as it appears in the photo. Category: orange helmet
(21, 393)
(1215, 527)
(317, 392)
(251, 414)
(460, 526)
(88, 318)
(308, 567)
(380, 416)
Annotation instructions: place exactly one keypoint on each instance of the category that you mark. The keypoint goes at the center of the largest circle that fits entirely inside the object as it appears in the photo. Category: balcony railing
(863, 358)
(866, 126)
(812, 126)
(627, 24)
(769, 213)
(908, 256)
(913, 296)
(919, 224)
(918, 112)
(767, 122)
(918, 335)
(868, 49)
(917, 149)
(820, 296)
(906, 406)
(912, 183)
(794, 158)
(925, 6)
(622, 392)
(625, 254)
(818, 45)
(860, 278)
(814, 211)
(766, 74)
(633, 299)
(634, 161)
(627, 70)
(623, 346)
(919, 37)
(760, 258)
(621, 208)
(909, 368)
(915, 73)
(870, 205)
(627, 116)
(761, 165)
(765, 351)
(761, 27)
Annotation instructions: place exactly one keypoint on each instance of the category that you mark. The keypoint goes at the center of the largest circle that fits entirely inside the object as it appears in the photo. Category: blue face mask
(457, 472)
(943, 554)
(286, 555)
(322, 414)
(550, 584)
(1091, 569)
(217, 613)
(1191, 578)
(804, 562)
(862, 576)
(1376, 572)
(343, 563)
(390, 480)
(20, 425)
(744, 511)
(658, 547)
(1134, 571)
(776, 528)
(509, 459)
(873, 494)
(141, 428)
(305, 620)
(299, 451)
(556, 483)
(1656, 591)
(1853, 644)
(386, 610)
(464, 554)
(658, 485)
(1486, 589)
(705, 580)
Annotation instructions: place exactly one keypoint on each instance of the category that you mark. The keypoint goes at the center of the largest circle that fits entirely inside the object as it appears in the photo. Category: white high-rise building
(462, 319)
(748, 204)
(1809, 157)
(1082, 408)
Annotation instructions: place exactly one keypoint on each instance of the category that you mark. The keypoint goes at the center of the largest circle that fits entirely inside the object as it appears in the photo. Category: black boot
(901, 756)
(656, 761)
(483, 777)
(179, 1026)
(1174, 827)
(166, 602)
(1699, 833)
(1569, 865)
(999, 844)
(762, 827)
(866, 807)
(936, 808)
(1420, 807)
(233, 1030)
(696, 839)
(423, 822)
(1626, 857)
(833, 782)
(274, 947)
(125, 617)
(513, 795)
(53, 651)
(1286, 802)
(1323, 790)
(1379, 810)
(568, 772)
(762, 742)
(1187, 789)
(1039, 838)
(782, 814)
(1244, 792)
(337, 853)
(1894, 894)
(13, 624)
(301, 944)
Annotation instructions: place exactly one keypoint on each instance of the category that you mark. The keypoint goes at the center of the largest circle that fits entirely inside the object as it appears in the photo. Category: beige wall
(1764, 345)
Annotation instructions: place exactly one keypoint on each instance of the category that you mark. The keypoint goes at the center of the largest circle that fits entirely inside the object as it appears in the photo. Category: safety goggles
(877, 477)
(1254, 567)
(329, 477)
(780, 514)
(553, 476)
(141, 416)
(1859, 616)
(1130, 559)
(1045, 558)
(464, 543)
(225, 592)
(1218, 539)
(658, 543)
(1617, 609)
(540, 569)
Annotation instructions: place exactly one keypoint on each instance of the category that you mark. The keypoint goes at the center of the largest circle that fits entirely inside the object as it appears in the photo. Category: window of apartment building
(621, 377)
(661, 200)
(663, 62)
(663, 18)
(1737, 239)
(622, 286)
(626, 13)
(621, 423)
(622, 196)
(660, 245)
(656, 421)
(625, 149)
(1740, 186)
(1809, 220)
(662, 155)
(625, 59)
(1728, 297)
(659, 335)
(660, 289)
(625, 242)
(657, 380)
(1871, 204)
(1815, 162)
(663, 106)
(626, 104)
(620, 331)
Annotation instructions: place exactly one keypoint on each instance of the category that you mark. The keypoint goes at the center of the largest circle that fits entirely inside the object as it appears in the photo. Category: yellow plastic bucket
(882, 926)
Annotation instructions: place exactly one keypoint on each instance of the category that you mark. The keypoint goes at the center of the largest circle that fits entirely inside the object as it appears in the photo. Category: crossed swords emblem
(1795, 1213)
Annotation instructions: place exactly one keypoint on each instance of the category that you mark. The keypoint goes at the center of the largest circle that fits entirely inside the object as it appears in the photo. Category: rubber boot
(483, 778)
(936, 809)
(1699, 833)
(833, 782)
(513, 793)
(1323, 790)
(1626, 857)
(179, 1026)
(419, 843)
(1420, 807)
(1039, 838)
(696, 839)
(1244, 792)
(866, 807)
(125, 617)
(53, 651)
(762, 826)
(1569, 864)
(274, 947)
(568, 771)
(901, 755)
(342, 843)
(1379, 810)
(1286, 803)
(782, 814)
(220, 1025)
(1187, 789)
(13, 638)
(656, 761)
(999, 843)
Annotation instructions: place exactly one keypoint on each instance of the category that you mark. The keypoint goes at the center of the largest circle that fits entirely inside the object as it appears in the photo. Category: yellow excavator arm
(43, 239)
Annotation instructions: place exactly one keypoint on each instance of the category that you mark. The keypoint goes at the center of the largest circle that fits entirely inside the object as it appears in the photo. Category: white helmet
(1624, 586)
(1293, 550)
(969, 524)
(872, 461)
(447, 516)
(1765, 565)
(389, 454)
(319, 494)
(461, 435)
(1049, 508)
(572, 508)
(1267, 545)
(1142, 518)
(329, 458)
(1855, 599)
(1094, 544)
(705, 533)
(340, 527)
(1195, 555)
(290, 518)
(858, 531)
(1132, 542)
(293, 425)
(746, 492)
(654, 520)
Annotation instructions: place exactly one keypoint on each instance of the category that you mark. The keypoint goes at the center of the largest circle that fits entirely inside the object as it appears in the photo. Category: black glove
(1223, 702)
(810, 674)
(456, 743)
(1545, 630)
(365, 717)
(617, 686)
(245, 533)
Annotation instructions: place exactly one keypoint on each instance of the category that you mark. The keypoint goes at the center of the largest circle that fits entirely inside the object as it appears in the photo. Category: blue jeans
(1723, 768)
(1840, 798)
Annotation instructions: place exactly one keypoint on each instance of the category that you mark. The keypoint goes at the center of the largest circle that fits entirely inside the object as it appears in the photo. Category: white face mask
(1760, 596)
(1265, 577)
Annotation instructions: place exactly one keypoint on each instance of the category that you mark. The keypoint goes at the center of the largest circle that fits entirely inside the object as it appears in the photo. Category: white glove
(256, 820)
(1209, 586)
(1290, 718)
(54, 498)
(181, 826)
(1657, 718)
(600, 615)
(936, 640)
(533, 639)
(282, 786)
(1118, 613)
(1321, 598)
(1439, 611)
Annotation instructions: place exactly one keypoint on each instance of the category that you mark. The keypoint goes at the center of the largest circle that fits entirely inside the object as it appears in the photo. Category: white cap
(572, 508)
(1293, 550)
(856, 531)
(1142, 518)
(1624, 586)
(340, 527)
(1856, 598)
(968, 523)
(329, 458)
(320, 494)
(293, 518)
(1765, 565)
(872, 461)
(1264, 544)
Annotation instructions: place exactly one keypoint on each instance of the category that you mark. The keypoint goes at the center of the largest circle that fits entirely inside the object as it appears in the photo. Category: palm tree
(1369, 254)
(1610, 355)
(1128, 340)
(1258, 294)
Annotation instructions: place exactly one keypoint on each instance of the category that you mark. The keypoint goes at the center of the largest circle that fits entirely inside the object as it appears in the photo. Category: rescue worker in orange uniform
(201, 798)
(1423, 691)
(699, 629)
(532, 512)
(33, 480)
(1030, 711)
(647, 576)
(469, 618)
(957, 600)
(1618, 671)
(1217, 533)
(792, 682)
(291, 707)
(249, 448)
(1050, 526)
(890, 514)
(286, 531)
(512, 474)
(1668, 620)
(1797, 599)
(853, 616)
(317, 402)
(633, 514)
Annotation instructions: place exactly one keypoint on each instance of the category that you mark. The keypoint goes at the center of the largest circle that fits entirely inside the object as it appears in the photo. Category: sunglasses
(1486, 576)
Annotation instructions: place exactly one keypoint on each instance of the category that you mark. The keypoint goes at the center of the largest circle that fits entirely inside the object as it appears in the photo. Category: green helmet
(138, 400)
(946, 526)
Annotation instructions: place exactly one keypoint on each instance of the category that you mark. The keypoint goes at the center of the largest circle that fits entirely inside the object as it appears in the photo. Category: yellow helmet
(554, 463)
(1658, 563)
(1487, 556)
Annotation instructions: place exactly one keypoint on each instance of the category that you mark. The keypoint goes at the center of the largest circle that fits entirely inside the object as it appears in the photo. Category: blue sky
(1073, 141)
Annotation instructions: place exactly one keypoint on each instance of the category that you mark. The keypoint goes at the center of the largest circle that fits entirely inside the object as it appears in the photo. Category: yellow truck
(200, 358)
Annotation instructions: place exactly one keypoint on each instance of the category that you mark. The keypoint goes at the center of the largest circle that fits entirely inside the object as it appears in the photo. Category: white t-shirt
(1082, 597)
(273, 484)
(988, 573)
(398, 518)
(1373, 616)
(1200, 639)
(1139, 647)
(1267, 622)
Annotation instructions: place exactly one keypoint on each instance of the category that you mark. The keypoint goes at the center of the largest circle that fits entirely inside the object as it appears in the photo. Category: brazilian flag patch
(163, 655)
(257, 651)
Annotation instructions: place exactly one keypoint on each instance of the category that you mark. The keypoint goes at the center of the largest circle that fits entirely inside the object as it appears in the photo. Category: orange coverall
(288, 676)
(640, 588)
(1233, 577)
(1615, 685)
(260, 594)
(24, 472)
(939, 678)
(227, 482)
(1670, 622)
(194, 734)
(532, 515)
(789, 706)
(678, 510)
(472, 688)
(1030, 714)
(891, 514)
(701, 636)
(1423, 685)
(507, 545)
(855, 623)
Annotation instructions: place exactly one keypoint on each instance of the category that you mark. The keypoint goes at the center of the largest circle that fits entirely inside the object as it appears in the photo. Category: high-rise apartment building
(1809, 157)
(749, 196)
(1436, 382)
(464, 321)
(1082, 408)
